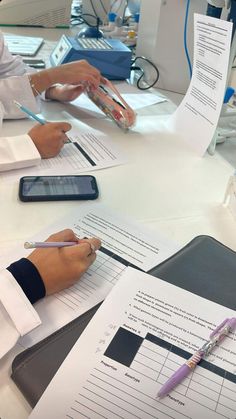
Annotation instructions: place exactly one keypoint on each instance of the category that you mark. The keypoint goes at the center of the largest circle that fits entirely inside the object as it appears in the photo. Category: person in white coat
(18, 82)
(43, 272)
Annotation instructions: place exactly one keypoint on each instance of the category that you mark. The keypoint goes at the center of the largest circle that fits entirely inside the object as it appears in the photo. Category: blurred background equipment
(35, 12)
(161, 35)
(101, 8)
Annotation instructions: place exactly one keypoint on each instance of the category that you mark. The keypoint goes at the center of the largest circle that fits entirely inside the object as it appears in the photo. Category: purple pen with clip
(227, 326)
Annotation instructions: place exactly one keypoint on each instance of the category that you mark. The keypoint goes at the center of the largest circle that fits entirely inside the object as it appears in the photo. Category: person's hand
(64, 93)
(68, 92)
(61, 267)
(76, 73)
(49, 138)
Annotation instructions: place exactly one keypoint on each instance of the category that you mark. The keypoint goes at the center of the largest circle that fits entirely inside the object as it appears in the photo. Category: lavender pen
(34, 245)
(216, 336)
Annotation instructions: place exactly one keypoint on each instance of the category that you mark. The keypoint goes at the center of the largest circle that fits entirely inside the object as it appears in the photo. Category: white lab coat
(19, 151)
(17, 315)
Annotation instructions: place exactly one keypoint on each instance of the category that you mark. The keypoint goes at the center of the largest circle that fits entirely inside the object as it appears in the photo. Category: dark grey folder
(204, 267)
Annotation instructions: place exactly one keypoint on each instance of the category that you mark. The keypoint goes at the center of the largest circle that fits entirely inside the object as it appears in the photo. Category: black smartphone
(57, 188)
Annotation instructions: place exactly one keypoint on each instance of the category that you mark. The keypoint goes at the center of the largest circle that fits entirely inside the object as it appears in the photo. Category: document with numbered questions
(144, 331)
(124, 243)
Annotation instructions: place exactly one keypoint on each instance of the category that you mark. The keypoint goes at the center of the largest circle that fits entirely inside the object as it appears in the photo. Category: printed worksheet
(197, 116)
(142, 333)
(124, 243)
(86, 152)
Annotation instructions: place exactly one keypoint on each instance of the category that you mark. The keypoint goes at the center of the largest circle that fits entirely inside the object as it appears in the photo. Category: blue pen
(30, 113)
(33, 116)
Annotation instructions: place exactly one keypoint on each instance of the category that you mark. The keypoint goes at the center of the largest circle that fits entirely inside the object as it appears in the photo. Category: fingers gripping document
(143, 331)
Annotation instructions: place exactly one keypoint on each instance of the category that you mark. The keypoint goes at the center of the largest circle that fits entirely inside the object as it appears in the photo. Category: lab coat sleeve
(17, 315)
(17, 88)
(18, 152)
(14, 84)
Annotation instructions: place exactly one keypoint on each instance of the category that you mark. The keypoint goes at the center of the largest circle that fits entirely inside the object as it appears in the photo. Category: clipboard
(204, 267)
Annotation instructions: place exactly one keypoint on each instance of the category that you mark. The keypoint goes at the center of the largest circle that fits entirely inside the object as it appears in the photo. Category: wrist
(40, 81)
(53, 76)
(29, 279)
(51, 93)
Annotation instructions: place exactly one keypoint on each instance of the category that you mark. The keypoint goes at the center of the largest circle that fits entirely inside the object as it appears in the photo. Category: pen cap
(218, 328)
(230, 323)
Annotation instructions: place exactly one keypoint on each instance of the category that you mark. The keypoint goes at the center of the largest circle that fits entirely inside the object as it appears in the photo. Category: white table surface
(164, 186)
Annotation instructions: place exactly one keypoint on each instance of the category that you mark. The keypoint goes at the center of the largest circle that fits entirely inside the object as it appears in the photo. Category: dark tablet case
(204, 267)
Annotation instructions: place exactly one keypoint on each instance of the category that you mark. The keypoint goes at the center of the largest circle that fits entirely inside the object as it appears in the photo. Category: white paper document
(142, 333)
(124, 243)
(86, 152)
(131, 94)
(197, 116)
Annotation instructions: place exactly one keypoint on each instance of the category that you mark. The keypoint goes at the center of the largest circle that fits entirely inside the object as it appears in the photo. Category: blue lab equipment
(90, 32)
(112, 17)
(110, 56)
(136, 17)
(228, 94)
(214, 11)
(232, 15)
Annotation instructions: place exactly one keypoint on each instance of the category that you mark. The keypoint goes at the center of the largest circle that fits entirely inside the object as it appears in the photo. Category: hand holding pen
(48, 137)
(227, 326)
(63, 259)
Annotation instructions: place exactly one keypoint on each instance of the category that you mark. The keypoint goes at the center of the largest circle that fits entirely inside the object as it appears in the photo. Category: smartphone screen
(53, 188)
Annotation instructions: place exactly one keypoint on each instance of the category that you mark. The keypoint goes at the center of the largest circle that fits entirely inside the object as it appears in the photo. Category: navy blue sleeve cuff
(29, 279)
